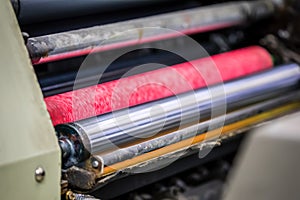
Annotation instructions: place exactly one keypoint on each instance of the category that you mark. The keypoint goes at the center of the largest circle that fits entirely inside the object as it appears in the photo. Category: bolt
(284, 34)
(95, 164)
(39, 174)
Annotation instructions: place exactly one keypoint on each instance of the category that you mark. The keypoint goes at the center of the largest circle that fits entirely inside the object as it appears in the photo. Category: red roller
(153, 85)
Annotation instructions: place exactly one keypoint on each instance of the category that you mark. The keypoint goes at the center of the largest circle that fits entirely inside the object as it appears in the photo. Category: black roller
(33, 11)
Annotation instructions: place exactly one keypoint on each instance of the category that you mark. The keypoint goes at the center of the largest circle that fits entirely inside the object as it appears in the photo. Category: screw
(39, 174)
(95, 164)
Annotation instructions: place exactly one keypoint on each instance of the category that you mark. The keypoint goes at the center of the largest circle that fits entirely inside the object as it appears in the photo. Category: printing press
(150, 99)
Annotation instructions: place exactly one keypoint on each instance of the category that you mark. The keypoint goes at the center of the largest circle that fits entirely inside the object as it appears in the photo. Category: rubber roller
(142, 88)
(107, 132)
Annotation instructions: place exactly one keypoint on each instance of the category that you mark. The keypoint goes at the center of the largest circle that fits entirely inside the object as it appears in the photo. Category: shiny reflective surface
(191, 131)
(106, 131)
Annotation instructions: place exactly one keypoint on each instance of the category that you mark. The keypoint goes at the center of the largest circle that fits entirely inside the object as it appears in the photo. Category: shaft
(107, 37)
(131, 151)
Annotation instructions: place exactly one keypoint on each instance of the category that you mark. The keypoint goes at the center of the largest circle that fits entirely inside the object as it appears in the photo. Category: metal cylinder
(104, 132)
(134, 150)
(84, 41)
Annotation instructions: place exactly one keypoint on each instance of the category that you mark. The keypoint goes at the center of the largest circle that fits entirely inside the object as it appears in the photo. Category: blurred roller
(34, 11)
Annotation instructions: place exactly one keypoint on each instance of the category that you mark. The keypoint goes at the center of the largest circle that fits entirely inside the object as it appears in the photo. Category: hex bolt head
(39, 174)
